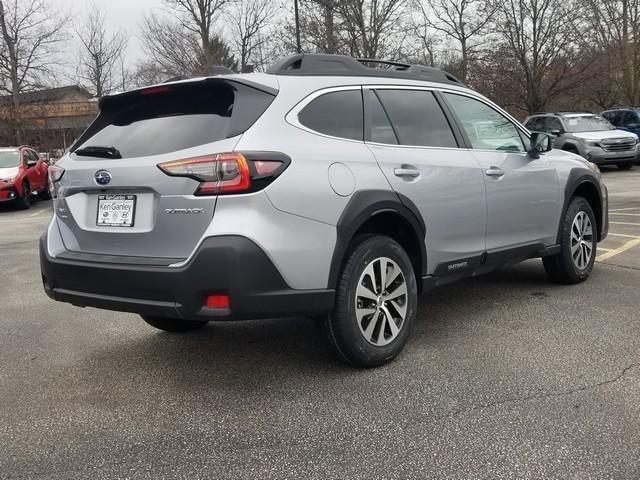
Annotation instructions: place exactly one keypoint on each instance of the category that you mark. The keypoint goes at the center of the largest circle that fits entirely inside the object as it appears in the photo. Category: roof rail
(305, 64)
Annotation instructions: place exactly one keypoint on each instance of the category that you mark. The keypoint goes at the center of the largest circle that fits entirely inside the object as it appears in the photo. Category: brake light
(155, 90)
(228, 173)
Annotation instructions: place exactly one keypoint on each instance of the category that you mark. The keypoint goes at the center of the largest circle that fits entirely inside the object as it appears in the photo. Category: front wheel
(174, 325)
(24, 201)
(578, 243)
(624, 165)
(376, 301)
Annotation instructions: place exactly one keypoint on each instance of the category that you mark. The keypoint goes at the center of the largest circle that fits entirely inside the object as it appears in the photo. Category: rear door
(523, 194)
(418, 152)
(127, 206)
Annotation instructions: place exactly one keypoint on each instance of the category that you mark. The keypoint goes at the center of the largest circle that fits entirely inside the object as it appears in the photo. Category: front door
(524, 199)
(414, 145)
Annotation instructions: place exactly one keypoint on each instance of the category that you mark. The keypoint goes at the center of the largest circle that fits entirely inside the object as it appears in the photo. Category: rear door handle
(406, 172)
(494, 172)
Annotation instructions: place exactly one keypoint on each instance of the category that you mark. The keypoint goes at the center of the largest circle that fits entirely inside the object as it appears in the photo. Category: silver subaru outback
(326, 187)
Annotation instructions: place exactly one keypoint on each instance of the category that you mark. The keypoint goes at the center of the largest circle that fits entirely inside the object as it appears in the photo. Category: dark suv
(624, 119)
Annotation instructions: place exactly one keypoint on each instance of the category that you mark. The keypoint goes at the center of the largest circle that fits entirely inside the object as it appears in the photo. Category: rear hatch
(113, 199)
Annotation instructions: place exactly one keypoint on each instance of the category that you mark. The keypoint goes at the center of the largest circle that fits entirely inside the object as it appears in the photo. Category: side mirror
(31, 163)
(633, 125)
(540, 143)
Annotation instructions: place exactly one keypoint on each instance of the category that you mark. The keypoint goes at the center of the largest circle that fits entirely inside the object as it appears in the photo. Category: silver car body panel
(294, 219)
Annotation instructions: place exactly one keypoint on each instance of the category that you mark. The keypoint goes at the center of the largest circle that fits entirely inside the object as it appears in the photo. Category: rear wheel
(578, 245)
(624, 165)
(376, 301)
(175, 325)
(24, 201)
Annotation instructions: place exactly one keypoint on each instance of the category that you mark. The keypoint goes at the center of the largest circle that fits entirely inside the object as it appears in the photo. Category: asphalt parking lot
(506, 376)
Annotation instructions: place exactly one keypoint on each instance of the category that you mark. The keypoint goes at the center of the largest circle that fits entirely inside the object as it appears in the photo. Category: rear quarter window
(338, 114)
(174, 117)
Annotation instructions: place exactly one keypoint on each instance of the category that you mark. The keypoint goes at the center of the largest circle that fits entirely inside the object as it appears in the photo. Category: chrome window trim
(292, 116)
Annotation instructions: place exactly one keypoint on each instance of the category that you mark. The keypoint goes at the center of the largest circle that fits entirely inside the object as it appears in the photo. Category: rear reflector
(228, 173)
(217, 301)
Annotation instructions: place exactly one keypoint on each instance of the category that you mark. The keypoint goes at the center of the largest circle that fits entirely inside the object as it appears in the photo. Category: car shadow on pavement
(254, 354)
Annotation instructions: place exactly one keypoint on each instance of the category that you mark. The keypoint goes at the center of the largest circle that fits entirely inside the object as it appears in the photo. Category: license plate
(116, 210)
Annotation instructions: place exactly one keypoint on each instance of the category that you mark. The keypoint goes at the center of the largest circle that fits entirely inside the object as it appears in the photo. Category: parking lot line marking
(600, 249)
(619, 250)
(39, 212)
(626, 214)
(626, 223)
(623, 209)
(623, 235)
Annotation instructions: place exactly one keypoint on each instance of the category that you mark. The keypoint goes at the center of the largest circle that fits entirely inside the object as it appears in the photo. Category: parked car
(23, 173)
(588, 135)
(627, 119)
(324, 188)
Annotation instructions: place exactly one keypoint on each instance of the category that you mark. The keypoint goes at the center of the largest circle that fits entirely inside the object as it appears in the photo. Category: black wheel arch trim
(364, 205)
(576, 179)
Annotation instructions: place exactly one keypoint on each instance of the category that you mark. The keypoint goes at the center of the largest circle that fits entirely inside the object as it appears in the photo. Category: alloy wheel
(381, 301)
(581, 240)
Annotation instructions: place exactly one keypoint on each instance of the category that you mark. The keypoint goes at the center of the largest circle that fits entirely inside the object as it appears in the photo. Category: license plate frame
(103, 220)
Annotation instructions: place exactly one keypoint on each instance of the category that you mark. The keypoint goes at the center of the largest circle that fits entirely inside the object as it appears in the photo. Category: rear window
(168, 118)
(338, 114)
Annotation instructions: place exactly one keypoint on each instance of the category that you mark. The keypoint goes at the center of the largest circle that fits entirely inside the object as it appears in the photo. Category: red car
(23, 173)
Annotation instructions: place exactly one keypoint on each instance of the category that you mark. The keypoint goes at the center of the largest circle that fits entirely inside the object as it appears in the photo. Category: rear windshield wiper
(96, 151)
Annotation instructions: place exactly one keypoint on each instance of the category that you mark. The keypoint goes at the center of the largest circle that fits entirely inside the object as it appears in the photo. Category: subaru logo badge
(102, 177)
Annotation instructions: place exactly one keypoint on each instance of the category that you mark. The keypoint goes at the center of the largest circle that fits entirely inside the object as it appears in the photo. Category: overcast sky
(124, 14)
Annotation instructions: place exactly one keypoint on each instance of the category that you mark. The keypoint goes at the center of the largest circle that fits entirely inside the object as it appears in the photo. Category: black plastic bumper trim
(233, 265)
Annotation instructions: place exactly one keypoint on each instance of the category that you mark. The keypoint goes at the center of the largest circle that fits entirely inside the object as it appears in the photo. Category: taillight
(54, 175)
(228, 173)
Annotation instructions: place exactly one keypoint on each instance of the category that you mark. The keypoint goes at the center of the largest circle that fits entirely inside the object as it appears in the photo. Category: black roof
(306, 64)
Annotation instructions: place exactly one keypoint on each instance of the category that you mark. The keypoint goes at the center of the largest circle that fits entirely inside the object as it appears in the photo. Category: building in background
(50, 119)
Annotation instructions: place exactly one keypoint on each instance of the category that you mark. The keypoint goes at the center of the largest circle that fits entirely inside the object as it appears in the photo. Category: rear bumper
(231, 265)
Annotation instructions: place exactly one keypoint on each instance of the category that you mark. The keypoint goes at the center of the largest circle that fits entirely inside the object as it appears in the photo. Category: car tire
(624, 165)
(45, 194)
(579, 240)
(24, 201)
(375, 333)
(174, 325)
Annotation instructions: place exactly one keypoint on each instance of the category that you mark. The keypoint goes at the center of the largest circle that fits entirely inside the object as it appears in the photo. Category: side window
(29, 156)
(537, 124)
(338, 114)
(486, 128)
(378, 125)
(629, 117)
(615, 118)
(554, 125)
(609, 116)
(417, 118)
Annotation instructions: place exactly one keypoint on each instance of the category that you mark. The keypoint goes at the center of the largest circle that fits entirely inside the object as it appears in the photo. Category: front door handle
(494, 172)
(406, 172)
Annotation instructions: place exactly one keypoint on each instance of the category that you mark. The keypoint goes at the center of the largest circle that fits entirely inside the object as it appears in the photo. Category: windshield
(588, 124)
(9, 159)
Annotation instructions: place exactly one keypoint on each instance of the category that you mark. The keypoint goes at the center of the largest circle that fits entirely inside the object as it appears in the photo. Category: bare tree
(616, 25)
(101, 54)
(372, 28)
(249, 22)
(541, 36)
(464, 21)
(30, 35)
(183, 40)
